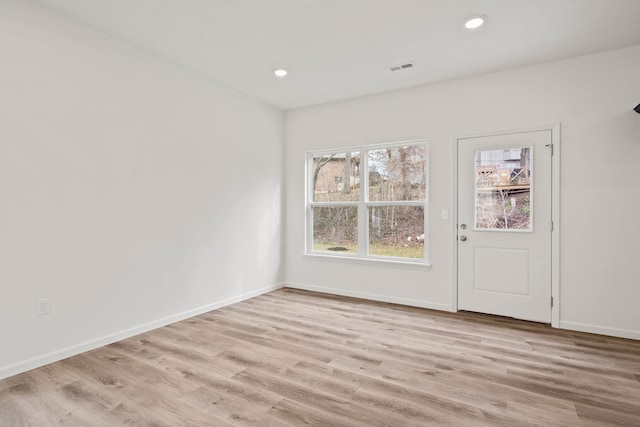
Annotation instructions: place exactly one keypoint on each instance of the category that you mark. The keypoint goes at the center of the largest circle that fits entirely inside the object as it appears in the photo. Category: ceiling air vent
(402, 66)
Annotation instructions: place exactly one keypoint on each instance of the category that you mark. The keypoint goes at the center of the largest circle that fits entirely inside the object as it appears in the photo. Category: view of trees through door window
(369, 202)
(503, 189)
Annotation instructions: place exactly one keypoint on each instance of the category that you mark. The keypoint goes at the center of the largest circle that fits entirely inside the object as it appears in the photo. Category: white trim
(359, 148)
(332, 204)
(373, 297)
(308, 220)
(397, 203)
(555, 234)
(550, 127)
(555, 213)
(54, 356)
(363, 214)
(600, 330)
(410, 262)
(454, 227)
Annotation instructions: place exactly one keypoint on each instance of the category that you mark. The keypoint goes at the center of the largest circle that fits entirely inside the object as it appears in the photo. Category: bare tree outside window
(401, 174)
(334, 177)
(335, 229)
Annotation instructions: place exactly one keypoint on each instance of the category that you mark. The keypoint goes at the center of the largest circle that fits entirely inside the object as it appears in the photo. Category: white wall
(591, 96)
(132, 192)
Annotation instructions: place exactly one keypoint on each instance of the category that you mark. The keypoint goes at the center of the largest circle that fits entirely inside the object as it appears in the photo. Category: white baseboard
(573, 326)
(374, 297)
(54, 356)
(35, 362)
(601, 330)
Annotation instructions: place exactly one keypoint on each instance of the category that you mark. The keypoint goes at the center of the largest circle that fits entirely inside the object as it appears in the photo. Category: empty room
(319, 212)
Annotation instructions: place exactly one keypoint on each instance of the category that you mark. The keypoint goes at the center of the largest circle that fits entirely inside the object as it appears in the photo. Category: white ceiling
(337, 49)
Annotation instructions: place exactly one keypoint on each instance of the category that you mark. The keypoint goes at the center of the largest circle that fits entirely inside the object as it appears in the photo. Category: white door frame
(555, 215)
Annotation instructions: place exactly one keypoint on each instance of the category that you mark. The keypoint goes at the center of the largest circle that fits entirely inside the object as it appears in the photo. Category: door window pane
(503, 189)
(335, 229)
(396, 231)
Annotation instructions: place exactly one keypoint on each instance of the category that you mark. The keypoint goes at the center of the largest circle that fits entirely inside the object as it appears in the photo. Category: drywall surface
(592, 97)
(132, 192)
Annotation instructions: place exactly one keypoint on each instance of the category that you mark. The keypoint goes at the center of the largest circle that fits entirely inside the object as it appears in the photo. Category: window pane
(503, 189)
(336, 177)
(397, 173)
(396, 231)
(335, 229)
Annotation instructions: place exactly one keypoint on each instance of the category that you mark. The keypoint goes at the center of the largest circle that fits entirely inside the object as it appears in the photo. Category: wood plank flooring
(300, 358)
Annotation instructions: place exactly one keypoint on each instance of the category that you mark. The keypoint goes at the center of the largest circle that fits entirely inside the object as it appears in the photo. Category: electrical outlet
(43, 306)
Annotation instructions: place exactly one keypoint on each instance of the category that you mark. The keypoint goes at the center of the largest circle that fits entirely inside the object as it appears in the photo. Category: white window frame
(363, 204)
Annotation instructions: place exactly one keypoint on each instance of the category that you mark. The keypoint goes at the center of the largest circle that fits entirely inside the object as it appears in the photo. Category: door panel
(504, 225)
(513, 277)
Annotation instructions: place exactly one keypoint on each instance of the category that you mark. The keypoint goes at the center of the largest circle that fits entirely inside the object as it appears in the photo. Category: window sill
(379, 261)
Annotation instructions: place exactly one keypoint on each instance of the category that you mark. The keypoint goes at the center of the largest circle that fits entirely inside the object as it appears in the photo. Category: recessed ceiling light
(475, 21)
(280, 72)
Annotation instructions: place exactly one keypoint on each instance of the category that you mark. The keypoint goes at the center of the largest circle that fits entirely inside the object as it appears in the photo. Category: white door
(504, 225)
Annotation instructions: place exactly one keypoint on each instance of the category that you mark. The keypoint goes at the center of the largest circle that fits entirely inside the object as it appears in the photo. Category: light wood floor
(300, 358)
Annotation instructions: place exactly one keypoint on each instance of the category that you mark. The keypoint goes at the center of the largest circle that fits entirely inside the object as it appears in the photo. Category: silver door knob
(463, 238)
